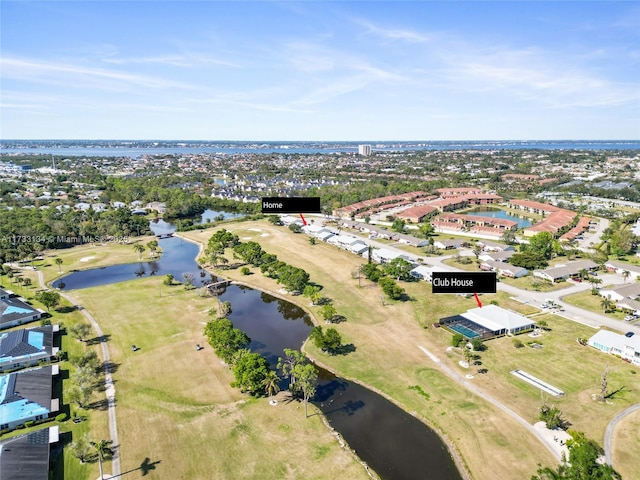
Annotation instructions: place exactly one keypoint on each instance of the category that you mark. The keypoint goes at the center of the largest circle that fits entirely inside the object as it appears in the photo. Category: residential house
(15, 311)
(26, 347)
(26, 457)
(571, 269)
(26, 396)
(616, 344)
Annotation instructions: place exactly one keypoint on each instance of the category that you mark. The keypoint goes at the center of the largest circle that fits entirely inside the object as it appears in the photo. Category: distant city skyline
(320, 71)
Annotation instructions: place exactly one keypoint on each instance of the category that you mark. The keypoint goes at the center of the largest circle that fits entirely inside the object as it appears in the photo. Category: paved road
(108, 380)
(608, 435)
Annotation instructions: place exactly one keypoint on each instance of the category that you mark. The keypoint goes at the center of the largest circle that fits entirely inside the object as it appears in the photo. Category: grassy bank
(387, 357)
(176, 408)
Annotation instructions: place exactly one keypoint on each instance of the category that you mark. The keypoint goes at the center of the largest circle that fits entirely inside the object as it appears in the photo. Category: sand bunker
(86, 259)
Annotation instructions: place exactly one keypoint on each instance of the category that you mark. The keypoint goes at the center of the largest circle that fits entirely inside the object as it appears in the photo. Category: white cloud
(77, 75)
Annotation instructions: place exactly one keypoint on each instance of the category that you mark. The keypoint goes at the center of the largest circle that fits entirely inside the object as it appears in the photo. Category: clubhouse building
(488, 322)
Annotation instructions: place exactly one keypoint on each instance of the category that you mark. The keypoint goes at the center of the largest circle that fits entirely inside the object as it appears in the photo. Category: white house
(571, 269)
(620, 267)
(448, 244)
(382, 255)
(616, 344)
(425, 272)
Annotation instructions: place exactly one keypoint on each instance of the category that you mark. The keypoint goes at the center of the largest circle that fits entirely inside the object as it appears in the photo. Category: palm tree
(139, 248)
(103, 447)
(58, 262)
(607, 304)
(625, 275)
(153, 247)
(270, 383)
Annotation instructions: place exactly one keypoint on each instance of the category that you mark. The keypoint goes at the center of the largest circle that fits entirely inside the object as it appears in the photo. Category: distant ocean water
(134, 149)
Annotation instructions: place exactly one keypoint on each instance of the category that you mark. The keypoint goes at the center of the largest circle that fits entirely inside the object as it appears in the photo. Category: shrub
(517, 343)
(245, 271)
(29, 423)
(61, 417)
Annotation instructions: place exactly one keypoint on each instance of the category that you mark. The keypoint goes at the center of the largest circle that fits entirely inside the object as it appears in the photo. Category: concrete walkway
(110, 390)
(541, 435)
(608, 434)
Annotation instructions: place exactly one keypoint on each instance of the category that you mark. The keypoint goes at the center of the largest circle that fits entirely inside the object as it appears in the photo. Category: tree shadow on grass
(345, 349)
(145, 467)
(99, 339)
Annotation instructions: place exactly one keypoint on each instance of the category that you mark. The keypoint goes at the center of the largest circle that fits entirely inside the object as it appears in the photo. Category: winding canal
(396, 445)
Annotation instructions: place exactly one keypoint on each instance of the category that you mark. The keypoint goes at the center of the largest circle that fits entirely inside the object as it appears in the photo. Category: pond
(392, 442)
(496, 213)
(160, 226)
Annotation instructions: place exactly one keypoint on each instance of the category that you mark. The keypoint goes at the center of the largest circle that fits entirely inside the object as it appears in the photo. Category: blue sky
(385, 70)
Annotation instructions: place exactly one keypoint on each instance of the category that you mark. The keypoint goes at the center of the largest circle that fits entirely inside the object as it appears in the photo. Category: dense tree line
(27, 231)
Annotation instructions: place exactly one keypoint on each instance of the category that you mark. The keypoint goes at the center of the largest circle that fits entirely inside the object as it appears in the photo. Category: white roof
(495, 318)
(384, 253)
(616, 340)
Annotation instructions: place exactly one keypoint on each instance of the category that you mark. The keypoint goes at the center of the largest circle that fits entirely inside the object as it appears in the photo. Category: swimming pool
(467, 332)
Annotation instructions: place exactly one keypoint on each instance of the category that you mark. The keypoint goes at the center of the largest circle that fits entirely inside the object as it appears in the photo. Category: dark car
(629, 334)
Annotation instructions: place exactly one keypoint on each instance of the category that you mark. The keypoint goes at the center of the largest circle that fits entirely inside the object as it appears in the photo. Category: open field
(386, 340)
(176, 408)
(625, 446)
(89, 256)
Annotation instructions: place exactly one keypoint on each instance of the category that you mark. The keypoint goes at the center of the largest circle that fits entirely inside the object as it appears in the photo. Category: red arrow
(303, 220)
(477, 299)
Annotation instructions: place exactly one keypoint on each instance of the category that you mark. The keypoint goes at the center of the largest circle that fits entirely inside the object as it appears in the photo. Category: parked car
(629, 334)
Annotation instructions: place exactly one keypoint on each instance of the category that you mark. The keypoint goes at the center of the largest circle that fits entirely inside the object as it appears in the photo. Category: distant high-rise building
(364, 150)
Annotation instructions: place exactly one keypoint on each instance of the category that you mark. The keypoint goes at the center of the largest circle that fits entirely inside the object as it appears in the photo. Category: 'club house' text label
(463, 282)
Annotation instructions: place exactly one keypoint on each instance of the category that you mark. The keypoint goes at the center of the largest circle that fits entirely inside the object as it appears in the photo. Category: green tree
(426, 230)
(59, 262)
(398, 225)
(528, 260)
(307, 376)
(250, 370)
(168, 279)
(311, 291)
(292, 358)
(607, 304)
(552, 417)
(399, 268)
(457, 339)
(48, 298)
(328, 311)
(270, 383)
(478, 345)
(153, 247)
(391, 288)
(582, 463)
(543, 244)
(225, 339)
(80, 448)
(105, 451)
(295, 228)
(622, 242)
(332, 340)
(139, 248)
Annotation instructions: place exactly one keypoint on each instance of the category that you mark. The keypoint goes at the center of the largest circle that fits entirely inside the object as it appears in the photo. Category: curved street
(608, 435)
